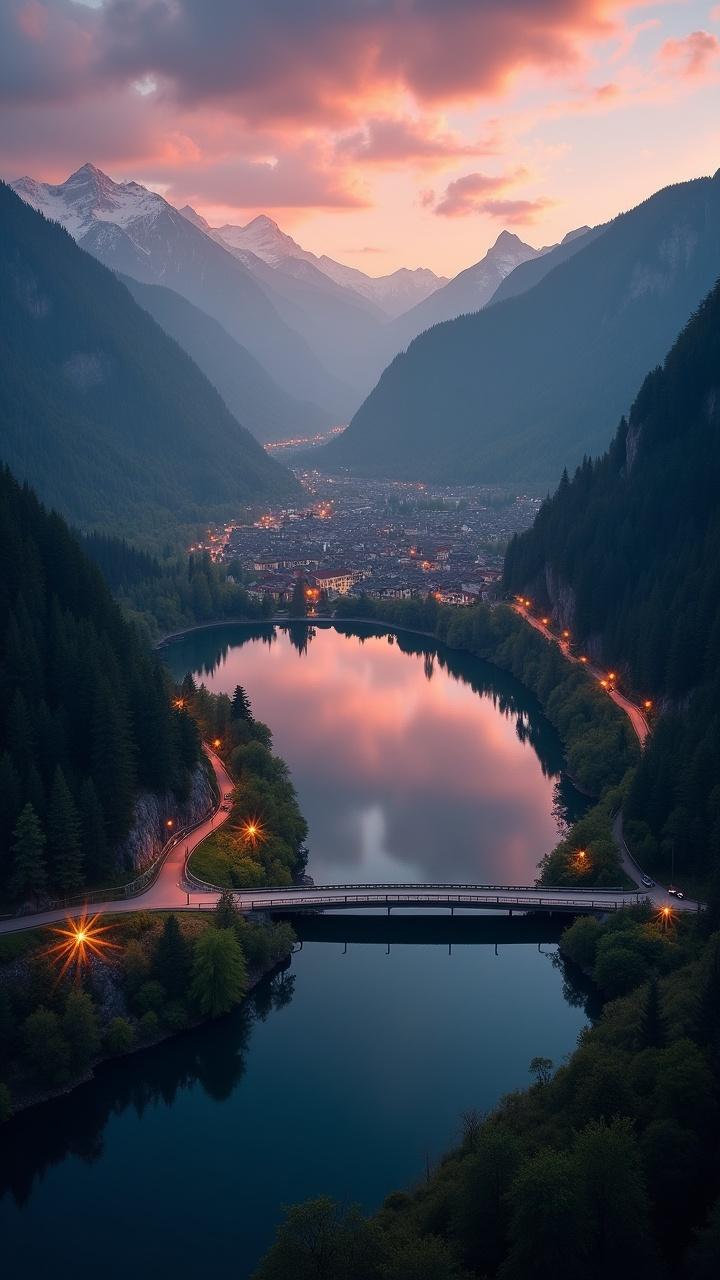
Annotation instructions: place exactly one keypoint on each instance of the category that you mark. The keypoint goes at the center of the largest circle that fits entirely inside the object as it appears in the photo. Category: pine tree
(172, 960)
(63, 828)
(93, 842)
(652, 1023)
(29, 870)
(240, 707)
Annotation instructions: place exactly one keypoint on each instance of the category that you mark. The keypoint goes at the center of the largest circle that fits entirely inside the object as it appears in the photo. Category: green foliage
(635, 537)
(172, 959)
(85, 715)
(119, 1036)
(81, 1029)
(46, 1049)
(264, 797)
(29, 871)
(219, 976)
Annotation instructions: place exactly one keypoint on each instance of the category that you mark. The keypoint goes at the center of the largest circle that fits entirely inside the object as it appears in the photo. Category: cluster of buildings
(379, 538)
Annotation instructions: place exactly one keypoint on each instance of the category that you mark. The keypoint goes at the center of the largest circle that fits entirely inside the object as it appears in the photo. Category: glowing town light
(583, 658)
(217, 742)
(566, 635)
(170, 824)
(545, 621)
(647, 704)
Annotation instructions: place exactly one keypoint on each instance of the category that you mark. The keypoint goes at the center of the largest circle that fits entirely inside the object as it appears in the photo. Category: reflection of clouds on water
(402, 770)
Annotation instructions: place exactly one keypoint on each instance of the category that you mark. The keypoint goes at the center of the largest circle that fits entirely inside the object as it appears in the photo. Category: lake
(349, 1073)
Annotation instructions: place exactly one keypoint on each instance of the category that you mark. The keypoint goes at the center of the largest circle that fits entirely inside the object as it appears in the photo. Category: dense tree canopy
(627, 553)
(86, 719)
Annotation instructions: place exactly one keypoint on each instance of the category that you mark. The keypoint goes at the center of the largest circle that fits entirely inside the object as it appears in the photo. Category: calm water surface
(351, 1071)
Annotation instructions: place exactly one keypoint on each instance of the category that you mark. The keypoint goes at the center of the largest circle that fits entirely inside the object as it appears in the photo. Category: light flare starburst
(77, 942)
(253, 832)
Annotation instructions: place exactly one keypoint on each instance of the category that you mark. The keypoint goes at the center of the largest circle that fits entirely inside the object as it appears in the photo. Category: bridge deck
(477, 897)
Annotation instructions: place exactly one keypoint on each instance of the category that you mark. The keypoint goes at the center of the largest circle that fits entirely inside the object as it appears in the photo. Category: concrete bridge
(388, 897)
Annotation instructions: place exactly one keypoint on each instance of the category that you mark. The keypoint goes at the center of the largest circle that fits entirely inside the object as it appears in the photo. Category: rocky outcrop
(152, 812)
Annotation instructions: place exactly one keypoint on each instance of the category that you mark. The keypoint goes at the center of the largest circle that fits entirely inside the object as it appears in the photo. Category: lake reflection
(412, 762)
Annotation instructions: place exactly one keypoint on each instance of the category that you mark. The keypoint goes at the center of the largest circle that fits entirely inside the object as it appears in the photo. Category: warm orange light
(77, 942)
(566, 635)
(545, 621)
(253, 831)
(611, 675)
(527, 604)
(647, 704)
(604, 684)
(179, 702)
(583, 658)
(169, 823)
(217, 742)
(581, 853)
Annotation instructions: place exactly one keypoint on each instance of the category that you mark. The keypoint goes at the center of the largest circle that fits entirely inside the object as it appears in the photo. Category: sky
(385, 133)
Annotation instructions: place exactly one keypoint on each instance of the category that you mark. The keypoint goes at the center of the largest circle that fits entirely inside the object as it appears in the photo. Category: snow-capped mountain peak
(89, 196)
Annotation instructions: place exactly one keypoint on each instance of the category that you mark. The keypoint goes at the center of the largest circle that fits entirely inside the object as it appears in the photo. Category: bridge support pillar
(452, 911)
(389, 910)
(510, 913)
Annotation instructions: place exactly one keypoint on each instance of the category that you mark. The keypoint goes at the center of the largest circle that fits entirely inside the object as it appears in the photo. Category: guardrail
(133, 889)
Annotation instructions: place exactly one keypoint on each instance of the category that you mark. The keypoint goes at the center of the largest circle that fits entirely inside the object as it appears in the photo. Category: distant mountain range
(101, 411)
(392, 293)
(137, 232)
(536, 380)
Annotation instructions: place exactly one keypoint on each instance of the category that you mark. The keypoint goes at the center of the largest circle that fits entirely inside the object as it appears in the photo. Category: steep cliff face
(149, 830)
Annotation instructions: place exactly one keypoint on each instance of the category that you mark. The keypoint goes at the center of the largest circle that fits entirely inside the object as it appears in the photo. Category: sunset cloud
(308, 62)
(359, 119)
(385, 140)
(471, 194)
(521, 212)
(691, 56)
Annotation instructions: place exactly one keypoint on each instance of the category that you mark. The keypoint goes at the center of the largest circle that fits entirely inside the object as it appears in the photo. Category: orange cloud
(692, 55)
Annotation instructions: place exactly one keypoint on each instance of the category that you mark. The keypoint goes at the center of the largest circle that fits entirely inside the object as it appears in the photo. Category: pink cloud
(520, 212)
(385, 140)
(470, 193)
(692, 55)
(300, 62)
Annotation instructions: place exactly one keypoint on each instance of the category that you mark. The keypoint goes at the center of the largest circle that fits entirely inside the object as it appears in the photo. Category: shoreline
(29, 1100)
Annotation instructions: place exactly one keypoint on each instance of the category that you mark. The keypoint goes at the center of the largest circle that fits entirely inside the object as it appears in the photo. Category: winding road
(631, 709)
(171, 891)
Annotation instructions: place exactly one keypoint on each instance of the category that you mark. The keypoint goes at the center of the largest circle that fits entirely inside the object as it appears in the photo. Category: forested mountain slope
(252, 396)
(134, 230)
(85, 714)
(628, 556)
(102, 412)
(517, 391)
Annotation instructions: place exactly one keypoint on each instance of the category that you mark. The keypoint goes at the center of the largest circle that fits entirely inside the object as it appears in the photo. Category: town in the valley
(380, 538)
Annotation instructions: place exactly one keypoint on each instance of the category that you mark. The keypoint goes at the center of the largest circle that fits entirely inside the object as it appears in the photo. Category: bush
(149, 1025)
(175, 1015)
(150, 997)
(119, 1036)
(45, 1047)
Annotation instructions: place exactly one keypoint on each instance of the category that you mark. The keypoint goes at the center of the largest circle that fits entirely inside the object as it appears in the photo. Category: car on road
(649, 884)
(679, 893)
(672, 890)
